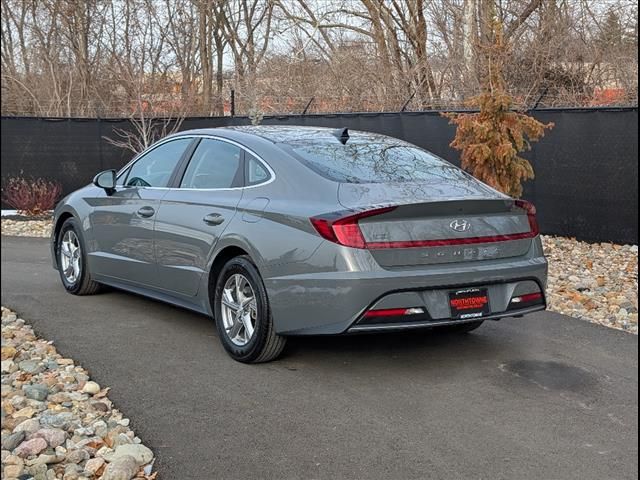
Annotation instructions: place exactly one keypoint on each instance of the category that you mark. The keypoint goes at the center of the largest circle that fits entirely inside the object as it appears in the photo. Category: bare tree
(144, 132)
(175, 57)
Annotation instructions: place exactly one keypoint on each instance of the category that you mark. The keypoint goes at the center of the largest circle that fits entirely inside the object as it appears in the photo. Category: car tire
(79, 282)
(463, 327)
(242, 314)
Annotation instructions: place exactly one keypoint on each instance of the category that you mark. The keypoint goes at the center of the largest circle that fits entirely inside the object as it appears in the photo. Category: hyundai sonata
(282, 231)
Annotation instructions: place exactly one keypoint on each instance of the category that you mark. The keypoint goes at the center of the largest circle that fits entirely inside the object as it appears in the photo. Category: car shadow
(426, 347)
(426, 341)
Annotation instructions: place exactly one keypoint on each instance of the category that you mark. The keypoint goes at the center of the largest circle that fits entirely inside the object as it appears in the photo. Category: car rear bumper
(333, 302)
(398, 326)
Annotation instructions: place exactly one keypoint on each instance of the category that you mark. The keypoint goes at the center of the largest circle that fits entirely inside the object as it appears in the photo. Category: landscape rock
(26, 228)
(8, 353)
(122, 468)
(36, 392)
(56, 422)
(597, 282)
(31, 447)
(93, 465)
(139, 452)
(46, 458)
(29, 426)
(12, 440)
(71, 472)
(91, 388)
(77, 456)
(8, 366)
(30, 366)
(12, 471)
(53, 436)
(62, 420)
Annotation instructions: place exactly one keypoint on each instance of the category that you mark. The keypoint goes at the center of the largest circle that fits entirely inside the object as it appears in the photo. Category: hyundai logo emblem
(460, 225)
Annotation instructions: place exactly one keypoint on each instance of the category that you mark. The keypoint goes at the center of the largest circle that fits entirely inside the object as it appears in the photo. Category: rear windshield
(373, 162)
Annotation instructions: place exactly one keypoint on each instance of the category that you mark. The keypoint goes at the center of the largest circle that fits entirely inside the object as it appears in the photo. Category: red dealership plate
(469, 303)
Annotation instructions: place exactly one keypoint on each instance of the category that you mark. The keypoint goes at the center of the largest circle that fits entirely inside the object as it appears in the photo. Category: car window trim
(272, 174)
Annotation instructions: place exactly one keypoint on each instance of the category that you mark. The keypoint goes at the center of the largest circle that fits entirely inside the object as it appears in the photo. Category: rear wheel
(242, 314)
(72, 260)
(462, 328)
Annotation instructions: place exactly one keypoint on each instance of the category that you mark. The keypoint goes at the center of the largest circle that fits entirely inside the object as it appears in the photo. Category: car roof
(293, 134)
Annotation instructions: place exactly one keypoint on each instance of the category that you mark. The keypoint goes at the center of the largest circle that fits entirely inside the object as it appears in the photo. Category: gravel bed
(597, 282)
(56, 422)
(26, 228)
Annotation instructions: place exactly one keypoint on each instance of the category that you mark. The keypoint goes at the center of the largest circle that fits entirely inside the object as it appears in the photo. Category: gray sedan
(282, 231)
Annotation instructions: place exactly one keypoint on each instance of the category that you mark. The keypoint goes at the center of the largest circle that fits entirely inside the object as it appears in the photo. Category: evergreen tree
(491, 139)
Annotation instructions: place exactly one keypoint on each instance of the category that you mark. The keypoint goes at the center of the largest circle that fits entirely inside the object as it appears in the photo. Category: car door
(122, 221)
(195, 213)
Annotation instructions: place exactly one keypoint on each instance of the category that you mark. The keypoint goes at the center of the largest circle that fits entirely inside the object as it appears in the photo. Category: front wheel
(242, 314)
(72, 260)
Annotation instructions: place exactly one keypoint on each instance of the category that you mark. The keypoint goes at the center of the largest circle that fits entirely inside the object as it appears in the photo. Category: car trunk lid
(423, 228)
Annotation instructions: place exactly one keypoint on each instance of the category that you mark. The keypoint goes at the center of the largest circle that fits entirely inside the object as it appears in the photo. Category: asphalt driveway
(541, 397)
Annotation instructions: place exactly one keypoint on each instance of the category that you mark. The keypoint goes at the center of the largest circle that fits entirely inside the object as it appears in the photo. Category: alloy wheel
(70, 257)
(239, 309)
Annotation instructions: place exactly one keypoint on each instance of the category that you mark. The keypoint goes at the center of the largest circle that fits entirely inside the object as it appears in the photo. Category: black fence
(586, 182)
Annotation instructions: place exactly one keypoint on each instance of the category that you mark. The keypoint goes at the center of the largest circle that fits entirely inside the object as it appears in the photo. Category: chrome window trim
(272, 174)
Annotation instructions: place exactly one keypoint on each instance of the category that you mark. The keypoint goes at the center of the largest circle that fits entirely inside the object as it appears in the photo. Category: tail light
(531, 215)
(345, 230)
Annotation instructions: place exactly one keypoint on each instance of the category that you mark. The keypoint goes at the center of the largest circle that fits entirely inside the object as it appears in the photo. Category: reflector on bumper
(526, 300)
(394, 312)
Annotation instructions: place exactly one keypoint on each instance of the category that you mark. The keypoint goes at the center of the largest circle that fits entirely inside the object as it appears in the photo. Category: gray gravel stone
(36, 392)
(29, 426)
(11, 441)
(30, 366)
(62, 420)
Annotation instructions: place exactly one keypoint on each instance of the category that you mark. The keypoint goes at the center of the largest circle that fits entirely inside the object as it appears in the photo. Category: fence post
(540, 97)
(308, 105)
(406, 104)
(233, 102)
(100, 156)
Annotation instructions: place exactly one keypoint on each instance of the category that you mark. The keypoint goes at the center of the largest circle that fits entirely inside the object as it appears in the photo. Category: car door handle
(146, 212)
(213, 219)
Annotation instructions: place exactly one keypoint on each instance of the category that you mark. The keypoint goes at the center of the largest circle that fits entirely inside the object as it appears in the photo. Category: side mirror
(106, 180)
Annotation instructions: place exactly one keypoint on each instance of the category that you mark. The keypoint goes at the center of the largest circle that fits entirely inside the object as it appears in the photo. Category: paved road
(540, 397)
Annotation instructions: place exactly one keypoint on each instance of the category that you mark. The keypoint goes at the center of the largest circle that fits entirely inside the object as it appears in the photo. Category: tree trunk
(468, 46)
(204, 29)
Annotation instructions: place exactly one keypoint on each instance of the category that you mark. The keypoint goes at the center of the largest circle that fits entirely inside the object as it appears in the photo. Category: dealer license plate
(469, 303)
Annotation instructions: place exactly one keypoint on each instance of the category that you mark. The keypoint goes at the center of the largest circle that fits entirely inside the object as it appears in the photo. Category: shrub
(490, 140)
(31, 196)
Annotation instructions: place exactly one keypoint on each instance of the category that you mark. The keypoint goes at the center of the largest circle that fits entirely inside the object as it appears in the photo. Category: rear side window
(373, 162)
(154, 169)
(214, 164)
(256, 172)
